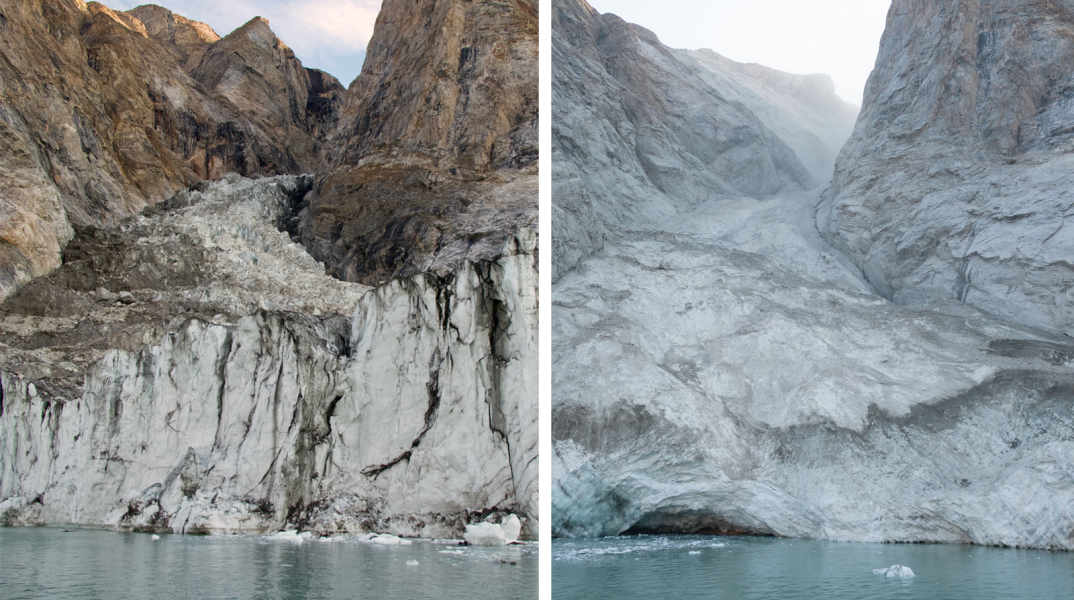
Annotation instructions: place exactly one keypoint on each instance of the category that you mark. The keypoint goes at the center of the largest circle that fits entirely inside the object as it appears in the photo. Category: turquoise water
(647, 567)
(49, 563)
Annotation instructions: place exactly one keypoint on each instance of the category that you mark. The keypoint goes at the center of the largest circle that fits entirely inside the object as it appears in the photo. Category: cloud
(329, 26)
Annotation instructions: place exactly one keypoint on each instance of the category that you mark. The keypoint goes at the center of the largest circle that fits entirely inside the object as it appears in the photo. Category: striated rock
(261, 78)
(188, 39)
(434, 158)
(102, 116)
(642, 131)
(724, 369)
(263, 393)
(956, 182)
(460, 95)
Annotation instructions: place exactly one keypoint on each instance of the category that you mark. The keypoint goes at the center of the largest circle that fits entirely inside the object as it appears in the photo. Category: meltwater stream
(80, 564)
(743, 568)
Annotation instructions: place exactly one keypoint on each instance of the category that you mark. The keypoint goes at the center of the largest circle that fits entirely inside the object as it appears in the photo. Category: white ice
(894, 571)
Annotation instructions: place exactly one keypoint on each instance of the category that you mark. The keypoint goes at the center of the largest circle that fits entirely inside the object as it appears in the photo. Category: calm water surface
(49, 563)
(647, 567)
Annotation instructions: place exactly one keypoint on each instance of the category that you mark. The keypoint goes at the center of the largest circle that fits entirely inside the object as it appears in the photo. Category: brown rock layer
(435, 154)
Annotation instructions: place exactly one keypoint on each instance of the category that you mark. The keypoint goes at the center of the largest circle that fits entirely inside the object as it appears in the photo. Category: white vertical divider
(545, 312)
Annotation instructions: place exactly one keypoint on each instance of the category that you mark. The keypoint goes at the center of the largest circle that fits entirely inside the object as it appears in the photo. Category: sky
(837, 37)
(330, 35)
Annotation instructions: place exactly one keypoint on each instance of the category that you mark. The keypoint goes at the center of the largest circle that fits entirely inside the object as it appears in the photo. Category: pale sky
(837, 37)
(330, 35)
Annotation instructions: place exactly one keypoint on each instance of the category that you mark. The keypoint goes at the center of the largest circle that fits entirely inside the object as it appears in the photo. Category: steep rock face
(725, 369)
(460, 92)
(174, 412)
(641, 131)
(101, 116)
(956, 183)
(802, 110)
(189, 39)
(270, 88)
(435, 152)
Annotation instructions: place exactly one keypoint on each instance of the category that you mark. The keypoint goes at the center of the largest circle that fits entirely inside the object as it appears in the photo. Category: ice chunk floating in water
(512, 527)
(411, 563)
(290, 535)
(894, 571)
(384, 539)
(485, 534)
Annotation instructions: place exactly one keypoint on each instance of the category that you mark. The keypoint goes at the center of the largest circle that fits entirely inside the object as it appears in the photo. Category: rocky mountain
(956, 182)
(642, 131)
(435, 156)
(104, 116)
(200, 370)
(721, 367)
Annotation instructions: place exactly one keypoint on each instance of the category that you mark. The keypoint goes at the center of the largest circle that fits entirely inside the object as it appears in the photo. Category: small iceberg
(154, 537)
(411, 563)
(485, 534)
(493, 534)
(894, 571)
(512, 528)
(695, 552)
(384, 539)
(291, 535)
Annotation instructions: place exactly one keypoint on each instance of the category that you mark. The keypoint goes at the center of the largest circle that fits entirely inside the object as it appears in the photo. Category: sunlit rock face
(727, 370)
(956, 183)
(104, 114)
(325, 405)
(434, 159)
(202, 362)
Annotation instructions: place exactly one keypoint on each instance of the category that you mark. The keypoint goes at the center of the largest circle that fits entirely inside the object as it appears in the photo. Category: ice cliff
(211, 342)
(721, 367)
(184, 409)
